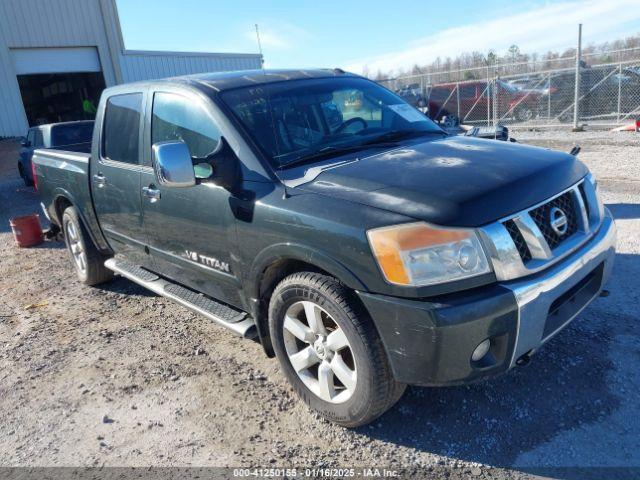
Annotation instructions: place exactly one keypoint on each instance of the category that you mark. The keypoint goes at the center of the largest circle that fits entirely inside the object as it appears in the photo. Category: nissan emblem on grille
(558, 221)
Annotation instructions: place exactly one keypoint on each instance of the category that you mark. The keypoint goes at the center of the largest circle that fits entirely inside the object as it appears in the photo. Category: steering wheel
(350, 122)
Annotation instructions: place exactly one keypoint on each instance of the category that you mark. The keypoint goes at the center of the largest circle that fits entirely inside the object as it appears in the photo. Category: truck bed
(67, 175)
(74, 148)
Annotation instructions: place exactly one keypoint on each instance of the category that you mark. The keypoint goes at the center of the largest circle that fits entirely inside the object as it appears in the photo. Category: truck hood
(453, 181)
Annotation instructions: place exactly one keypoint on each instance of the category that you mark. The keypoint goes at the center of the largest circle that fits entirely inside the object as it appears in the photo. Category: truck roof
(227, 80)
(221, 81)
(46, 126)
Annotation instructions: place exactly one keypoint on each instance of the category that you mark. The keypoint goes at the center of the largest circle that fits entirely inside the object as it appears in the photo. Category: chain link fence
(608, 93)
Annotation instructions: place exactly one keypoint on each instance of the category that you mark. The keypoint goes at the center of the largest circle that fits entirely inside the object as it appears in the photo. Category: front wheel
(87, 260)
(330, 351)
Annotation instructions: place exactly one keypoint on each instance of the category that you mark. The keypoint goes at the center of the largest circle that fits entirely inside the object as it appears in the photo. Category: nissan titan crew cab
(361, 244)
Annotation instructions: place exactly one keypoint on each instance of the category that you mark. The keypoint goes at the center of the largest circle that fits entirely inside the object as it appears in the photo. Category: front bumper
(431, 342)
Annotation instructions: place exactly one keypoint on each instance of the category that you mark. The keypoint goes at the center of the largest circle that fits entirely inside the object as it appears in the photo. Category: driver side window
(177, 118)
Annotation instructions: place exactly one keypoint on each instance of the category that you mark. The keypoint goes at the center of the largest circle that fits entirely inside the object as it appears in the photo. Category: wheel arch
(278, 262)
(64, 199)
(60, 204)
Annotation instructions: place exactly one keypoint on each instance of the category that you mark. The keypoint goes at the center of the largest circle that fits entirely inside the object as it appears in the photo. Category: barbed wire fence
(538, 93)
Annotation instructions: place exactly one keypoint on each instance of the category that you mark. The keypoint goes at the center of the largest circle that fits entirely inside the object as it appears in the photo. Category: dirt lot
(116, 376)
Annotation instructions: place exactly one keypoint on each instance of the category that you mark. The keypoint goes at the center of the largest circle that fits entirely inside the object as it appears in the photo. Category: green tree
(514, 51)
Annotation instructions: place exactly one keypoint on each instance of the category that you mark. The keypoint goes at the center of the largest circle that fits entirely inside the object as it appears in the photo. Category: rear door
(115, 175)
(191, 231)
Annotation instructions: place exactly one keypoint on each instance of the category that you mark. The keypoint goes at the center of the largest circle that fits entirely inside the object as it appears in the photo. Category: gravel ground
(116, 376)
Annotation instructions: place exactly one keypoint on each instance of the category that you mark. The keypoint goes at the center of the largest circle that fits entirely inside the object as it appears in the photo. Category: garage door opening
(60, 97)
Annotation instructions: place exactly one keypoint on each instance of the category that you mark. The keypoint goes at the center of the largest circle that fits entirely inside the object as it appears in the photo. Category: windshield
(297, 120)
(71, 134)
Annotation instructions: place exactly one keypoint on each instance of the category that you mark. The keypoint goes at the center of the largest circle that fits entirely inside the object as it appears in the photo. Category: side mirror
(173, 165)
(24, 142)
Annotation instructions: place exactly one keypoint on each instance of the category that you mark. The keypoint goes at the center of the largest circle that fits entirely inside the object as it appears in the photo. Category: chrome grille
(585, 199)
(541, 215)
(526, 242)
(518, 239)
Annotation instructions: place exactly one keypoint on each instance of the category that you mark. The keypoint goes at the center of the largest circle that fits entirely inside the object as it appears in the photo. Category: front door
(191, 231)
(115, 176)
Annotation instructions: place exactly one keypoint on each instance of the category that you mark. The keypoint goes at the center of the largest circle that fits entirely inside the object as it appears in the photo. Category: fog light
(481, 350)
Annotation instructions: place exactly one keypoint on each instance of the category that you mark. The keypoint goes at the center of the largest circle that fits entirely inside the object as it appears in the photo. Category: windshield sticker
(407, 112)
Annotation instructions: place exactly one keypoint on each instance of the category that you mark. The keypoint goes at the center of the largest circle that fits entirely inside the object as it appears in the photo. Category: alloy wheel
(319, 352)
(76, 248)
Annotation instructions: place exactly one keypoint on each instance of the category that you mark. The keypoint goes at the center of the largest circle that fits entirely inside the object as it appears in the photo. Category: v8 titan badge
(208, 261)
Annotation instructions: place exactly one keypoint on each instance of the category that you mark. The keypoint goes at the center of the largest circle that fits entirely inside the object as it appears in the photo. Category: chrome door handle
(100, 180)
(151, 193)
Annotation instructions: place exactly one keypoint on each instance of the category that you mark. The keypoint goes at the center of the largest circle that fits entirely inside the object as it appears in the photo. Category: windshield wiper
(401, 135)
(328, 152)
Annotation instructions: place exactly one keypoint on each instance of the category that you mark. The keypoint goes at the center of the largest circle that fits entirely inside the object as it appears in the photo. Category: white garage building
(56, 57)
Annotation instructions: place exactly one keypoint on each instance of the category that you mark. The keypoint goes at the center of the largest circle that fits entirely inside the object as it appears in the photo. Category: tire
(566, 117)
(523, 113)
(451, 121)
(357, 394)
(85, 257)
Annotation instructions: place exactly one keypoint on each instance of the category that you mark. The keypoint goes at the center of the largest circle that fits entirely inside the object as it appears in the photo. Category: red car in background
(476, 102)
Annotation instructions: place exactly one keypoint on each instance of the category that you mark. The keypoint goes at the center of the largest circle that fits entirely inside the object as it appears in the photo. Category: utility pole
(576, 109)
(259, 47)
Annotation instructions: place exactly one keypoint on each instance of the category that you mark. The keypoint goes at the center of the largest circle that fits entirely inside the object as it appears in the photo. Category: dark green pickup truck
(317, 211)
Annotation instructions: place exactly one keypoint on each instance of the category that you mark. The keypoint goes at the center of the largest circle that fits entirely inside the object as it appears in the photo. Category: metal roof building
(56, 57)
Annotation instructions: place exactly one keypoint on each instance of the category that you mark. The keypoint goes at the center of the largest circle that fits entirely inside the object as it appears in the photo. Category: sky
(373, 34)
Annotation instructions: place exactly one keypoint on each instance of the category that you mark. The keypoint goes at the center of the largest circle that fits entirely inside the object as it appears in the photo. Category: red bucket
(27, 230)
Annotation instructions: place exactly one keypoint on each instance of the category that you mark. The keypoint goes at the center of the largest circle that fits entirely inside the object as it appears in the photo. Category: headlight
(419, 254)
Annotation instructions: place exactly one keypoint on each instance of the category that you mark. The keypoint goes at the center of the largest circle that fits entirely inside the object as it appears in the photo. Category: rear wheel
(451, 121)
(330, 351)
(87, 260)
(523, 113)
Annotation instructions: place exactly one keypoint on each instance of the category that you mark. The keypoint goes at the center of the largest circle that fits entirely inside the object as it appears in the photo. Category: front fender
(291, 251)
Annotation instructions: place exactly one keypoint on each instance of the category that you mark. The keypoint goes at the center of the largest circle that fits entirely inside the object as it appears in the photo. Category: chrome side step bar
(236, 321)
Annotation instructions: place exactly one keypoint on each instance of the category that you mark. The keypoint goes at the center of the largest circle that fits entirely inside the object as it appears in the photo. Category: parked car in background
(476, 101)
(71, 136)
(412, 94)
(537, 84)
(600, 92)
(522, 83)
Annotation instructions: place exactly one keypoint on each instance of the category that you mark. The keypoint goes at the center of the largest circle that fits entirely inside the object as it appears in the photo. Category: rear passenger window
(178, 118)
(121, 128)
